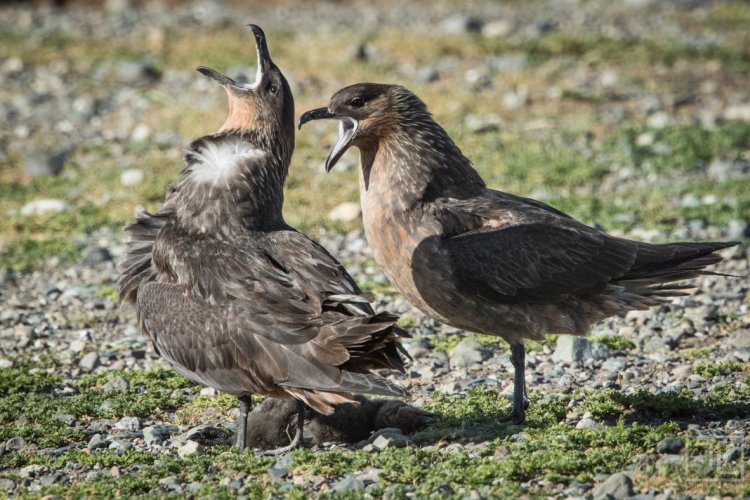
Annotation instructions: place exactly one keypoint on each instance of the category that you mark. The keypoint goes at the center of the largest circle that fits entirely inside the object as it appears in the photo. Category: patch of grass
(220, 405)
(709, 370)
(614, 342)
(29, 401)
(446, 343)
(31, 253)
(697, 352)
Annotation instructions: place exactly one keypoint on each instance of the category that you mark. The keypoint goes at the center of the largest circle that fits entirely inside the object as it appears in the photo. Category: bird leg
(245, 404)
(297, 439)
(520, 401)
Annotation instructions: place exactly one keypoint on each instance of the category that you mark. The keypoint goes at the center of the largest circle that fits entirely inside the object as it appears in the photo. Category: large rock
(618, 485)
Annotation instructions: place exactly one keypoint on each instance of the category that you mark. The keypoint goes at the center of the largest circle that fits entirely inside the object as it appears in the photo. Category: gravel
(59, 313)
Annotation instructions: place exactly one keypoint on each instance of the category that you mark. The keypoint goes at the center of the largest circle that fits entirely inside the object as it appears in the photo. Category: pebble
(573, 349)
(389, 438)
(588, 422)
(120, 446)
(45, 163)
(7, 485)
(130, 424)
(157, 433)
(670, 446)
(465, 354)
(131, 177)
(89, 361)
(116, 384)
(189, 448)
(97, 442)
(348, 483)
(346, 212)
(44, 206)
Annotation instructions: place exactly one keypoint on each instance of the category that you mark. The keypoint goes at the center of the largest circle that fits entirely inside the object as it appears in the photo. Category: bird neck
(232, 182)
(418, 162)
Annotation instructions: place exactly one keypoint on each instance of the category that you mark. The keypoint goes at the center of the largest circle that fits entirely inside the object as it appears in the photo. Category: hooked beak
(264, 63)
(347, 128)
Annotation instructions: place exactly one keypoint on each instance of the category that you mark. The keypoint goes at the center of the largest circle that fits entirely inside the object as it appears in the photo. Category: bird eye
(357, 102)
(274, 89)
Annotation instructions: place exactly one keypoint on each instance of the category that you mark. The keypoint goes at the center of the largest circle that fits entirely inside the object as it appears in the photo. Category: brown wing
(512, 250)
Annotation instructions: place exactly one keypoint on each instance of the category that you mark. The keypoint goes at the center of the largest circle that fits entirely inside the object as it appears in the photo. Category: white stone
(189, 448)
(346, 212)
(140, 133)
(131, 177)
(44, 206)
(738, 112)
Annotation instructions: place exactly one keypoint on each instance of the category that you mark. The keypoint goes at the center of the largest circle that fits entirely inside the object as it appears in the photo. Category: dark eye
(274, 89)
(357, 102)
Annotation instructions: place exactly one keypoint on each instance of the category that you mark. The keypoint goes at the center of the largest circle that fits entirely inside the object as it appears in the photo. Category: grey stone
(133, 72)
(508, 63)
(588, 422)
(15, 443)
(131, 177)
(116, 384)
(96, 256)
(171, 483)
(572, 349)
(670, 446)
(89, 361)
(389, 438)
(350, 482)
(460, 24)
(130, 424)
(482, 124)
(33, 470)
(618, 485)
(157, 433)
(120, 446)
(45, 163)
(280, 469)
(7, 485)
(465, 354)
(65, 418)
(97, 442)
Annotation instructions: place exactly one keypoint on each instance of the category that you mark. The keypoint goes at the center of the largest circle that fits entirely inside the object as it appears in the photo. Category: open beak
(347, 129)
(264, 64)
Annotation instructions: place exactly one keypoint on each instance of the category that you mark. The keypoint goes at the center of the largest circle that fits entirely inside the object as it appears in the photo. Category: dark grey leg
(297, 439)
(520, 402)
(245, 405)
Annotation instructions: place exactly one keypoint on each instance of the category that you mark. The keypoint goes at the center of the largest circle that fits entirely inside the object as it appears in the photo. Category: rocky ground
(636, 117)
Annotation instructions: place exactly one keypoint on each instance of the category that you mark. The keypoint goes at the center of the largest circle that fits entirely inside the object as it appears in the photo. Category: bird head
(265, 106)
(367, 113)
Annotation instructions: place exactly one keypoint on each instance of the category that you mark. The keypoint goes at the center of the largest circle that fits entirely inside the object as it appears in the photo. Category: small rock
(7, 485)
(133, 72)
(116, 384)
(389, 438)
(96, 442)
(482, 124)
(33, 470)
(350, 482)
(43, 163)
(682, 372)
(95, 256)
(89, 361)
(120, 446)
(15, 443)
(280, 469)
(64, 418)
(659, 120)
(460, 24)
(157, 433)
(140, 133)
(44, 206)
(171, 483)
(498, 28)
(130, 424)
(508, 63)
(738, 112)
(347, 211)
(588, 422)
(669, 446)
(618, 485)
(465, 354)
(572, 349)
(189, 448)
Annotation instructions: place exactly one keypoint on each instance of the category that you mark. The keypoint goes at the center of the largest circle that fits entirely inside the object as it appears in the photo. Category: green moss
(614, 342)
(715, 369)
(30, 253)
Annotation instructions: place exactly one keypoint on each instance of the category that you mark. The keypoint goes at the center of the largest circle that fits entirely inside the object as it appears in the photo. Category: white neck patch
(217, 162)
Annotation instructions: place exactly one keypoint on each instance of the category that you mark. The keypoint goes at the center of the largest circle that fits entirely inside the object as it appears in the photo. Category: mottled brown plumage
(480, 259)
(230, 295)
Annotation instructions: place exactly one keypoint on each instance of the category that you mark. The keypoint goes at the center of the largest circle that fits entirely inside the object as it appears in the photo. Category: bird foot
(296, 443)
(517, 413)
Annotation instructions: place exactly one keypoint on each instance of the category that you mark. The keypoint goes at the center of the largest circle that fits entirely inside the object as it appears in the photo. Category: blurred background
(634, 114)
